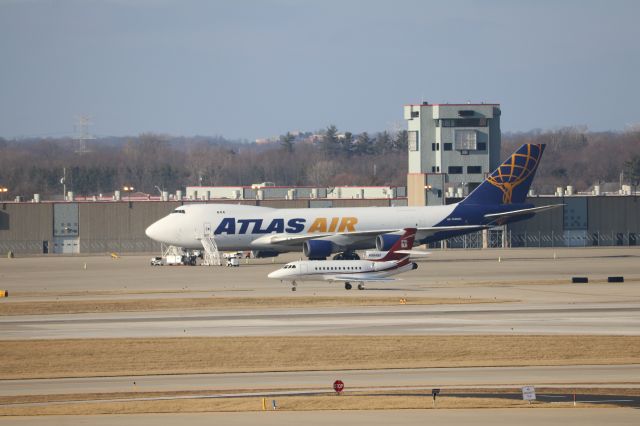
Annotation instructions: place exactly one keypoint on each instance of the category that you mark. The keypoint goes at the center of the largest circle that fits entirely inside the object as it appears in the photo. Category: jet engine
(384, 242)
(317, 249)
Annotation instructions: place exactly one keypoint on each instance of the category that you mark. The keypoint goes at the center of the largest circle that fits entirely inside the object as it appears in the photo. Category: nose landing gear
(293, 286)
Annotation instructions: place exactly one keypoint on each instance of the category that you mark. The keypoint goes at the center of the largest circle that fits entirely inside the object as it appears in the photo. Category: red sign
(338, 386)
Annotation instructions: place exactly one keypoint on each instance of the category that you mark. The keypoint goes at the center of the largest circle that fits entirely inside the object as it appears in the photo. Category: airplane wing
(497, 217)
(360, 279)
(291, 239)
(288, 238)
(414, 252)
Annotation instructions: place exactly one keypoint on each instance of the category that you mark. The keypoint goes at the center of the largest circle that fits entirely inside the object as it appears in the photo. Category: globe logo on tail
(516, 170)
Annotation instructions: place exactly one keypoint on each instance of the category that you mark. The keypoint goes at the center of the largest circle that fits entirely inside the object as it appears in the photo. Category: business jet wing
(360, 278)
(498, 217)
(416, 253)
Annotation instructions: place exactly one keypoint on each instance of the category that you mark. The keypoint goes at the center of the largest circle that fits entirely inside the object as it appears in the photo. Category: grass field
(116, 357)
(171, 304)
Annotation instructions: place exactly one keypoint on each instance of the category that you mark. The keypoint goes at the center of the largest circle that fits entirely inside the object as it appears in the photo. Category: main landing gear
(347, 286)
(347, 255)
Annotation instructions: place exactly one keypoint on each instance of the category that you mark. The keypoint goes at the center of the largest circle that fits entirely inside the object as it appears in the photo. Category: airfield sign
(528, 393)
(338, 386)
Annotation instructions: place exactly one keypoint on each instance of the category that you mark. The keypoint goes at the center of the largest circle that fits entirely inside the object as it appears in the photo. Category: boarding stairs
(211, 252)
(171, 251)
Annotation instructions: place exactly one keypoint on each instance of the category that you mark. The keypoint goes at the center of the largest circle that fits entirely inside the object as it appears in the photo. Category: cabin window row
(338, 268)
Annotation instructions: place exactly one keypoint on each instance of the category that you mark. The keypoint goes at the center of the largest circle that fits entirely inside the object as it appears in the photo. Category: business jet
(395, 261)
(320, 232)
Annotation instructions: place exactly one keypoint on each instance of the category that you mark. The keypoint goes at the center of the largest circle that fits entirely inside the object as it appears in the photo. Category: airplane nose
(274, 274)
(153, 231)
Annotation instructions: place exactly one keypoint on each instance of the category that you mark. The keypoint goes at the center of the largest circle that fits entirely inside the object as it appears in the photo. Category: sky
(259, 68)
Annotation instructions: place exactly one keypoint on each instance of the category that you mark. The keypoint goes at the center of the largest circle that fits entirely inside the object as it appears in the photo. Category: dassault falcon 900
(320, 232)
(395, 261)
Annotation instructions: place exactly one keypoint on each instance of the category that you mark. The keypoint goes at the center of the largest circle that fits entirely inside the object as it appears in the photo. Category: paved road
(462, 417)
(585, 375)
(511, 318)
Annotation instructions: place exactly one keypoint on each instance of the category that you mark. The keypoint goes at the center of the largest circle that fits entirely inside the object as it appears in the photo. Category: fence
(498, 238)
(495, 238)
(85, 246)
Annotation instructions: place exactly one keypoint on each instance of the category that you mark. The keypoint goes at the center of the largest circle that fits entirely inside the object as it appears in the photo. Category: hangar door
(66, 231)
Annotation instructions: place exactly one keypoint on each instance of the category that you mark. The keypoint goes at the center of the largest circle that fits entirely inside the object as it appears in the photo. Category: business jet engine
(384, 242)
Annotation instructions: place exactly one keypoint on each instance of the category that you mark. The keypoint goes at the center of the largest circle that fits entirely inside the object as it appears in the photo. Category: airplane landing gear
(293, 286)
(347, 286)
(361, 286)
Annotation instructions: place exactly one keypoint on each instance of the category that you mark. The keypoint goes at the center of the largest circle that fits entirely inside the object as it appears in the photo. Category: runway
(501, 318)
(534, 284)
(609, 376)
(459, 417)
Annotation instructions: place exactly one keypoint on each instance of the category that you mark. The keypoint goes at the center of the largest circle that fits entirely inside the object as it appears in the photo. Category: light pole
(128, 189)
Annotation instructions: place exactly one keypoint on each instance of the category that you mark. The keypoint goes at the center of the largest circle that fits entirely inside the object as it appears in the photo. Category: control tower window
(466, 140)
(463, 122)
(412, 137)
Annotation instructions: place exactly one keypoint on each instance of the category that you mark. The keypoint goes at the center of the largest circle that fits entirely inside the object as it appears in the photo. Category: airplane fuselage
(241, 227)
(354, 270)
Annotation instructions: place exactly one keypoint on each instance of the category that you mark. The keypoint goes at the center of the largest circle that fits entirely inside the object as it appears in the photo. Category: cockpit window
(178, 211)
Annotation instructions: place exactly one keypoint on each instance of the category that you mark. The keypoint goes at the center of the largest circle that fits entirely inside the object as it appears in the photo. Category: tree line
(152, 162)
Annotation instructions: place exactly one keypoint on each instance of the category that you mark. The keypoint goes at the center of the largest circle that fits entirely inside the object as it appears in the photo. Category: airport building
(451, 149)
(269, 191)
(119, 226)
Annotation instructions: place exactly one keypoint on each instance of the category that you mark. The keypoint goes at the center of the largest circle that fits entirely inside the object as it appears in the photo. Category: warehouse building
(103, 227)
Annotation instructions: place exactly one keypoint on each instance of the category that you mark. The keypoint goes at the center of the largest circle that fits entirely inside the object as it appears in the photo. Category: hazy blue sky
(259, 68)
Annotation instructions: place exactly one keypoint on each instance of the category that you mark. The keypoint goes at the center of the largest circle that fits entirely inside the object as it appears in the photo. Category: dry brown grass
(348, 401)
(170, 304)
(116, 357)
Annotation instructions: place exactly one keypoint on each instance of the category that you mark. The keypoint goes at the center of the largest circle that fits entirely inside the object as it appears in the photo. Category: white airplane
(320, 232)
(395, 261)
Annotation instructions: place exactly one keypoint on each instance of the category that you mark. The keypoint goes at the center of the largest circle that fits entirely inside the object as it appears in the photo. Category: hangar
(86, 226)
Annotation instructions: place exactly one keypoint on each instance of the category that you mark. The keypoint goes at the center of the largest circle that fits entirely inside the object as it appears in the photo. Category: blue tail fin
(510, 182)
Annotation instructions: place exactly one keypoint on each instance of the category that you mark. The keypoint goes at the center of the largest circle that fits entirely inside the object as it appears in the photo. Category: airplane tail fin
(510, 182)
(405, 242)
